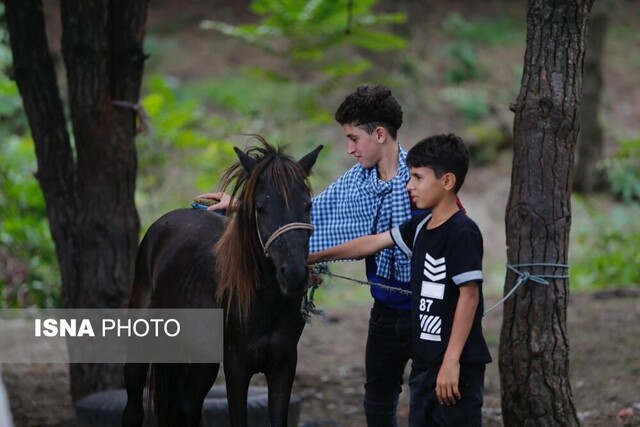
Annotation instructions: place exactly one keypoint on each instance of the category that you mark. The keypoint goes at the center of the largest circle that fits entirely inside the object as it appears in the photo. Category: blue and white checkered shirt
(359, 203)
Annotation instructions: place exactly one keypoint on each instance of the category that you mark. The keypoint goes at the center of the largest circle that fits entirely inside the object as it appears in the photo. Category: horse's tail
(142, 289)
(152, 417)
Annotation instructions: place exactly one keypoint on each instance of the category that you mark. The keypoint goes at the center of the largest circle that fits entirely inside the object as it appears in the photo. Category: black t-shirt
(442, 259)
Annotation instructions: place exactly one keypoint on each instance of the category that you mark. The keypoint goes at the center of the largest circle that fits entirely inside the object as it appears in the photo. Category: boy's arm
(354, 249)
(447, 390)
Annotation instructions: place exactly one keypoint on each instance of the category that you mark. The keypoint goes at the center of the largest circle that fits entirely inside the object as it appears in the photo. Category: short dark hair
(442, 153)
(370, 107)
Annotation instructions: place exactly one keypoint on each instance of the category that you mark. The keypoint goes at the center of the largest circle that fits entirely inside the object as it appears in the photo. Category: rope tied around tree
(526, 276)
(143, 119)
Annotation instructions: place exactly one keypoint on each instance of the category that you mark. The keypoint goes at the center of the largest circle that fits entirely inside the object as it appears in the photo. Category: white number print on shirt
(434, 270)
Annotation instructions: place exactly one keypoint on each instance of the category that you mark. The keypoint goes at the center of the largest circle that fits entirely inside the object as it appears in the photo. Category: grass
(603, 251)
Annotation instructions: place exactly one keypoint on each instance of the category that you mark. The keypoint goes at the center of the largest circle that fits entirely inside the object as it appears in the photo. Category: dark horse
(253, 265)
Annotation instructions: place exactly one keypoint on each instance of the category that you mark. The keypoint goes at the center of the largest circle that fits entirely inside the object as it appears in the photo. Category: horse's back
(175, 266)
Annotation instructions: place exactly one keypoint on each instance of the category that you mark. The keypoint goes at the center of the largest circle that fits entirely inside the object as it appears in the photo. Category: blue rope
(522, 278)
(525, 276)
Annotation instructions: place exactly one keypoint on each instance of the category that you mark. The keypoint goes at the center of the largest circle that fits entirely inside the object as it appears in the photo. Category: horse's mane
(238, 252)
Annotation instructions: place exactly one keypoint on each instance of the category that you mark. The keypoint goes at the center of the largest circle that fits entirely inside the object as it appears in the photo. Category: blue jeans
(425, 411)
(387, 354)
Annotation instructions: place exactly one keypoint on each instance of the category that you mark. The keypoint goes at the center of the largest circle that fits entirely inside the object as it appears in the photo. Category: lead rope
(522, 278)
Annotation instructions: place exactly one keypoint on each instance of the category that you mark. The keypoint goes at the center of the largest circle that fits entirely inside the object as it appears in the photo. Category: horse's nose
(293, 278)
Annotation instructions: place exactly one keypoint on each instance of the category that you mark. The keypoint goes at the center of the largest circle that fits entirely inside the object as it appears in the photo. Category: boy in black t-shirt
(449, 351)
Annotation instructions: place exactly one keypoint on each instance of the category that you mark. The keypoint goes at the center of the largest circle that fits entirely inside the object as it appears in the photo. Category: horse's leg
(237, 378)
(135, 377)
(280, 381)
(199, 381)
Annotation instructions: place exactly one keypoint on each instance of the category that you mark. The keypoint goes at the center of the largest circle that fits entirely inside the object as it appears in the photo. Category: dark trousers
(388, 351)
(425, 411)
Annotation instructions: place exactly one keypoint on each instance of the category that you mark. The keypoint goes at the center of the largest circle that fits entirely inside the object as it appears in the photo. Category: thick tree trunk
(35, 75)
(587, 177)
(90, 196)
(534, 346)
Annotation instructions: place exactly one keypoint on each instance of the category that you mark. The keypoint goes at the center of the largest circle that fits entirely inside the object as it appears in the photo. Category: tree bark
(587, 177)
(534, 345)
(88, 185)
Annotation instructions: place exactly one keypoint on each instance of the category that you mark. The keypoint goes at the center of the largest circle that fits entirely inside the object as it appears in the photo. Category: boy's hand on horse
(222, 201)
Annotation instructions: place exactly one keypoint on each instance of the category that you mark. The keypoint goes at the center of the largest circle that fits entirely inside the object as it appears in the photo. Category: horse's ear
(309, 160)
(247, 162)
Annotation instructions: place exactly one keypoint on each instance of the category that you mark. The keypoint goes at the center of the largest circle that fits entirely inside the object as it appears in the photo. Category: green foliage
(179, 130)
(254, 95)
(183, 140)
(464, 63)
(623, 170)
(494, 32)
(460, 52)
(253, 101)
(605, 252)
(471, 104)
(466, 35)
(28, 266)
(12, 121)
(313, 34)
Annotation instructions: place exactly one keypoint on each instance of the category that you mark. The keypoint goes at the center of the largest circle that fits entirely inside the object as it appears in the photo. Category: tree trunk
(534, 346)
(587, 177)
(89, 191)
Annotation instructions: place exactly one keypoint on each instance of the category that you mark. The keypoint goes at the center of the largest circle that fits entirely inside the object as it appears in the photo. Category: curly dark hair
(443, 154)
(370, 107)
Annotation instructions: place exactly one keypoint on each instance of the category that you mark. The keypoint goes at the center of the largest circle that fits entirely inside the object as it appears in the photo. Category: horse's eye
(261, 205)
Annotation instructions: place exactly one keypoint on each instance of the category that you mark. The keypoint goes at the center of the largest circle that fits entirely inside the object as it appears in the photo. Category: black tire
(104, 408)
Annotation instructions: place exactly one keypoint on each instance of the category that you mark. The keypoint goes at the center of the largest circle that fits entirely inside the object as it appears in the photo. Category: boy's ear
(381, 134)
(449, 181)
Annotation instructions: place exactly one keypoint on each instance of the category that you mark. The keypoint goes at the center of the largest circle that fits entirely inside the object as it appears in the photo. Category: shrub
(623, 170)
(604, 250)
(28, 266)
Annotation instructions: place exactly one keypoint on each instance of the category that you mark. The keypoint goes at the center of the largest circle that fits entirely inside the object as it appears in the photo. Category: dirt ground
(604, 334)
